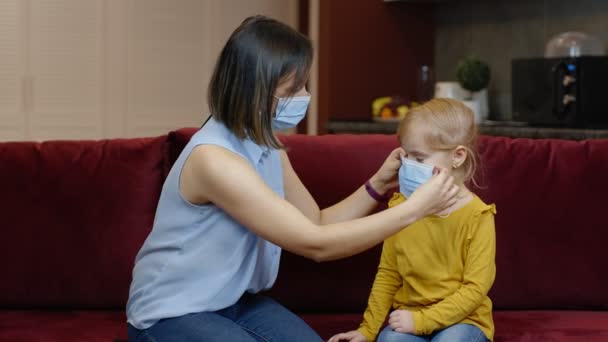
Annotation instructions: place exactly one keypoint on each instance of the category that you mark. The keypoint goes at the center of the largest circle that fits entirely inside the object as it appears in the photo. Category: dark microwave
(561, 92)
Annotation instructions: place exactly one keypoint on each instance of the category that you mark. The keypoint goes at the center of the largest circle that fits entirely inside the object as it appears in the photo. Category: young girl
(198, 274)
(436, 274)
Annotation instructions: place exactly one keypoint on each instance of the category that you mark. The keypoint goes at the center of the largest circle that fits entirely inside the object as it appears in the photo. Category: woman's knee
(194, 327)
(267, 318)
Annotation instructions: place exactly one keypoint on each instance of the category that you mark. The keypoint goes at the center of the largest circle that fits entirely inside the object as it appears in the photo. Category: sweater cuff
(365, 331)
(418, 323)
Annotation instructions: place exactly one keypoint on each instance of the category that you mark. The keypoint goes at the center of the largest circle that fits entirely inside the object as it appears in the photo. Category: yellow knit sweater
(441, 269)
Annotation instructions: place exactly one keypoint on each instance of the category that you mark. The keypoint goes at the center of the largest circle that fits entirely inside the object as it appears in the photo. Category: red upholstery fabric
(107, 326)
(551, 225)
(74, 215)
(178, 140)
(62, 326)
(345, 283)
(319, 162)
(551, 326)
(511, 326)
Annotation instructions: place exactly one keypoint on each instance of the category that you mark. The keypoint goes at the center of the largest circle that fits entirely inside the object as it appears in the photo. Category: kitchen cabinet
(496, 128)
(418, 1)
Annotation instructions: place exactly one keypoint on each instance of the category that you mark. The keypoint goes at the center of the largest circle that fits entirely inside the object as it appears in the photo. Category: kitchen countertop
(507, 129)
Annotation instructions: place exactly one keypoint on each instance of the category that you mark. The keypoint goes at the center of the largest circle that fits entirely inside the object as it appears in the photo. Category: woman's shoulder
(214, 133)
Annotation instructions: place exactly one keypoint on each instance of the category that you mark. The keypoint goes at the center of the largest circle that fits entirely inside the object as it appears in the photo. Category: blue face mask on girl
(290, 111)
(412, 175)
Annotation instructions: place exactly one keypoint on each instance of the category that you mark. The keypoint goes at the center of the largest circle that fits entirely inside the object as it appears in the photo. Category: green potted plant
(474, 76)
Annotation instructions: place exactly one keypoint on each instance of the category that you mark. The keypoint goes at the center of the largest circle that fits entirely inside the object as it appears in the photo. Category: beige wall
(74, 69)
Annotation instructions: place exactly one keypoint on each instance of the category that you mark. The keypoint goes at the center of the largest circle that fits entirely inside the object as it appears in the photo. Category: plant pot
(475, 106)
(451, 90)
(482, 98)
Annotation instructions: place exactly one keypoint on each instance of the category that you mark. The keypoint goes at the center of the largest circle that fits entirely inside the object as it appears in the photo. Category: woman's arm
(357, 205)
(214, 174)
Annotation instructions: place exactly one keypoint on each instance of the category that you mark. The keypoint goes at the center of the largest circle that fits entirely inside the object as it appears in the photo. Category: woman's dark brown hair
(259, 54)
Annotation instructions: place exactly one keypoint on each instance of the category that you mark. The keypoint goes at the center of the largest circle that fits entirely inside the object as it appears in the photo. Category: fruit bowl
(391, 108)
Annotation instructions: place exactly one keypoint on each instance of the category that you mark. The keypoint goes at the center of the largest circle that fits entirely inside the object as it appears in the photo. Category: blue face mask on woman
(412, 175)
(290, 111)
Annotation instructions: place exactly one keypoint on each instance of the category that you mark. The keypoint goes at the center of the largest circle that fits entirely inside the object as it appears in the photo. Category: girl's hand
(436, 195)
(386, 177)
(351, 336)
(401, 321)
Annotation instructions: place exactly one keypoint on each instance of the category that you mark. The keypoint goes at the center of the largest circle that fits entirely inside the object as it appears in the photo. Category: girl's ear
(459, 156)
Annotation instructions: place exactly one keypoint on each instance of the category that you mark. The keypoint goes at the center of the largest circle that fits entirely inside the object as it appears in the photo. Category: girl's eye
(420, 160)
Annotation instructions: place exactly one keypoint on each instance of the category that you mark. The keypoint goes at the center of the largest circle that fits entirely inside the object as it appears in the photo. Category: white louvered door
(51, 84)
(65, 86)
(88, 69)
(13, 83)
(167, 65)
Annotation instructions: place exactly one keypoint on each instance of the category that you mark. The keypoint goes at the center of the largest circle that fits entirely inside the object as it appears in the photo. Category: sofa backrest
(551, 226)
(331, 167)
(74, 215)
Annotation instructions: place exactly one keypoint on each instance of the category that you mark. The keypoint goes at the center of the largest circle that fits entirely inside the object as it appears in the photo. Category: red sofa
(76, 213)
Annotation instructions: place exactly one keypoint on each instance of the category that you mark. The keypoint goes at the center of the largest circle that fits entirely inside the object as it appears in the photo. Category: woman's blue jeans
(253, 318)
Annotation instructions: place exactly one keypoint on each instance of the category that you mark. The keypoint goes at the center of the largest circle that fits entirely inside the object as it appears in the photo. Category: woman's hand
(436, 195)
(386, 176)
(351, 336)
(401, 321)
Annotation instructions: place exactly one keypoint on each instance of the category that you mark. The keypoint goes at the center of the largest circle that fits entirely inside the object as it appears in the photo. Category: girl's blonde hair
(446, 124)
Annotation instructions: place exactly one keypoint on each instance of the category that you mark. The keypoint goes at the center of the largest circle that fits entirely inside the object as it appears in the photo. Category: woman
(232, 201)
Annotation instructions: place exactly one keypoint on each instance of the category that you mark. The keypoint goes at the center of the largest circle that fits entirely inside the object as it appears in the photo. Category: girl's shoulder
(396, 199)
(479, 214)
(480, 207)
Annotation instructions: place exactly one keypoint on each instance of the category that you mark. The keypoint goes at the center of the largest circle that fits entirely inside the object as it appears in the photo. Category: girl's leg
(205, 326)
(267, 320)
(459, 333)
(388, 335)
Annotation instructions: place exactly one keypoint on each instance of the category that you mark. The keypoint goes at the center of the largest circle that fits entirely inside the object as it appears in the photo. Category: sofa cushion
(314, 159)
(53, 326)
(178, 140)
(551, 227)
(341, 285)
(511, 326)
(107, 326)
(551, 326)
(77, 213)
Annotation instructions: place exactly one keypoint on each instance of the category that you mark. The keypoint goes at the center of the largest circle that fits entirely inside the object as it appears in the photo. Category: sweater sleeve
(479, 273)
(387, 283)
